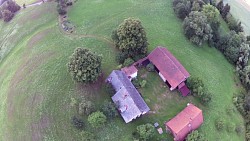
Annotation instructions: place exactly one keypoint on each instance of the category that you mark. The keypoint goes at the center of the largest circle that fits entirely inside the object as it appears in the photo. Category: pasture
(36, 89)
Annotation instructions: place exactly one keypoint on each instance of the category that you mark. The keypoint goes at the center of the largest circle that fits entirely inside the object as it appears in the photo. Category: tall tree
(97, 119)
(196, 28)
(212, 14)
(182, 8)
(145, 131)
(130, 38)
(84, 66)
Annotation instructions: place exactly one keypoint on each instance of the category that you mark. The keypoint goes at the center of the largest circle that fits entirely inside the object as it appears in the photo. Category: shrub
(109, 89)
(97, 119)
(7, 15)
(182, 9)
(121, 57)
(109, 109)
(61, 10)
(128, 62)
(136, 82)
(195, 136)
(150, 67)
(145, 131)
(77, 122)
(239, 129)
(219, 124)
(86, 107)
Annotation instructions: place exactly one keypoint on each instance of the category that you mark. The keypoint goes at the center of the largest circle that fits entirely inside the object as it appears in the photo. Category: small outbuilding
(189, 119)
(130, 71)
(170, 69)
(127, 99)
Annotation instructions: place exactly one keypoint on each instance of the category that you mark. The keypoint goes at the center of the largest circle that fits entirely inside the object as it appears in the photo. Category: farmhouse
(128, 100)
(186, 121)
(170, 69)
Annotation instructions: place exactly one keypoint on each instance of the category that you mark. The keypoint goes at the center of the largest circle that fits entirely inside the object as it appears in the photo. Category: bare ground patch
(38, 128)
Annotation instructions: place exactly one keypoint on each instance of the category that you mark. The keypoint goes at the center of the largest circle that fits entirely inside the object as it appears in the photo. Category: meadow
(36, 89)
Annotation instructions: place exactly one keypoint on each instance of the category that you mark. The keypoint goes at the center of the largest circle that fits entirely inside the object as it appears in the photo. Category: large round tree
(197, 28)
(84, 65)
(130, 38)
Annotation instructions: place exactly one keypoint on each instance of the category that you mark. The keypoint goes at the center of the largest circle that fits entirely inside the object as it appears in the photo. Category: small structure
(160, 131)
(185, 122)
(130, 71)
(170, 69)
(128, 100)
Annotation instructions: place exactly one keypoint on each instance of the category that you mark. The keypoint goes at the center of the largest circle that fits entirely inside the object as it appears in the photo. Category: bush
(219, 124)
(109, 109)
(182, 9)
(195, 136)
(121, 57)
(239, 129)
(145, 131)
(7, 15)
(109, 89)
(136, 82)
(77, 122)
(86, 107)
(150, 67)
(128, 62)
(97, 119)
(61, 10)
(199, 90)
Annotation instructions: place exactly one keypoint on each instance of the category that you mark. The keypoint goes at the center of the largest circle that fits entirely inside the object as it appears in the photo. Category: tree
(182, 8)
(146, 131)
(7, 15)
(225, 11)
(195, 136)
(128, 62)
(97, 119)
(196, 28)
(77, 122)
(212, 14)
(109, 109)
(220, 6)
(130, 38)
(12, 6)
(84, 66)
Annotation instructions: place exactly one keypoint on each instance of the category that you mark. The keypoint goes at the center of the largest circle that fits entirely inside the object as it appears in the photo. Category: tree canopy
(195, 136)
(130, 38)
(212, 14)
(84, 66)
(97, 119)
(145, 131)
(196, 28)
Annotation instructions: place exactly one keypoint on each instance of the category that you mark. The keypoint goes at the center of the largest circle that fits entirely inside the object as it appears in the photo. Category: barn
(189, 119)
(170, 69)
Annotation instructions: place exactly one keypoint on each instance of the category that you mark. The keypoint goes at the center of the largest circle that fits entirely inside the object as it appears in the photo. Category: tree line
(8, 10)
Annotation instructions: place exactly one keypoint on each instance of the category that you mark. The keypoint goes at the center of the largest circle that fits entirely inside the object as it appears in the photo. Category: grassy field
(241, 13)
(36, 88)
(21, 2)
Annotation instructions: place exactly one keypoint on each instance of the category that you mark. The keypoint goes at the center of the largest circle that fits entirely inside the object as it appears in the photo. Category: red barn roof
(186, 121)
(129, 70)
(169, 66)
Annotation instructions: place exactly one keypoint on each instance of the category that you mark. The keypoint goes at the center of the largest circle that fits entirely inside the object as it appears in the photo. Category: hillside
(36, 89)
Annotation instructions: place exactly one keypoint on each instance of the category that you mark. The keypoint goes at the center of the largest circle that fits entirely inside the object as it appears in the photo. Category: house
(128, 100)
(185, 122)
(170, 69)
(130, 71)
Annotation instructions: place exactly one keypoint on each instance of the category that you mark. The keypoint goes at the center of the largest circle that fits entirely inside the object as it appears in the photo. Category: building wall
(162, 77)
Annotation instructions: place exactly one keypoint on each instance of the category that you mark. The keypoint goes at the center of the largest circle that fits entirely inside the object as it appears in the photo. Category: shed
(189, 119)
(130, 71)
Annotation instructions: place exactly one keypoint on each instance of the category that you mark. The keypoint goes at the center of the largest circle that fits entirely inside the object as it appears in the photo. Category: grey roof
(127, 95)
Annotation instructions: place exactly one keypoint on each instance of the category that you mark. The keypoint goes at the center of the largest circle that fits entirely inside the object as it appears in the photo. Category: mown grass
(36, 88)
(241, 13)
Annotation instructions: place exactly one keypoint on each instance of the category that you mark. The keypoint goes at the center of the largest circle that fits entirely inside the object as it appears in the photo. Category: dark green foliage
(145, 131)
(196, 28)
(233, 24)
(77, 122)
(128, 62)
(130, 38)
(109, 109)
(195, 136)
(220, 124)
(197, 5)
(136, 82)
(85, 107)
(84, 66)
(225, 11)
(199, 90)
(97, 119)
(7, 15)
(87, 136)
(61, 10)
(230, 45)
(121, 57)
(182, 8)
(220, 6)
(239, 129)
(12, 6)
(248, 38)
(150, 67)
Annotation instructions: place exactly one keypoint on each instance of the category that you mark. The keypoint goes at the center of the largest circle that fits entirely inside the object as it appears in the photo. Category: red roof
(129, 70)
(186, 121)
(183, 89)
(169, 66)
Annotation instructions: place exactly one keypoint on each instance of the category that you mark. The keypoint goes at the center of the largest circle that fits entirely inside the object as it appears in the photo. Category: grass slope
(36, 88)
(241, 13)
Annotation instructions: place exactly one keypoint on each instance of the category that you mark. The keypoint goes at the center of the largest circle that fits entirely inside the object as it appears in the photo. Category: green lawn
(21, 2)
(36, 88)
(241, 13)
